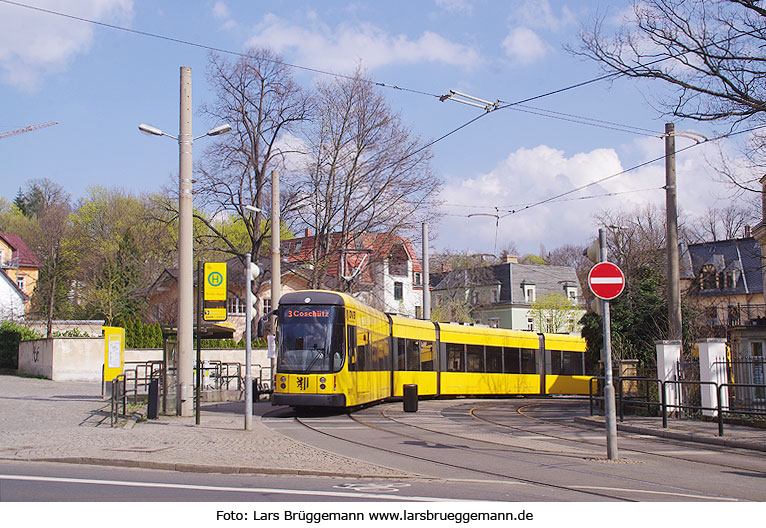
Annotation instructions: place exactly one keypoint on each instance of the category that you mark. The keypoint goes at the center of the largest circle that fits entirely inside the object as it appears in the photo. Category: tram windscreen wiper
(319, 354)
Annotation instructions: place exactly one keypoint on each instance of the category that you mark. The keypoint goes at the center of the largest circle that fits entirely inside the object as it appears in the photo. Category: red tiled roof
(21, 251)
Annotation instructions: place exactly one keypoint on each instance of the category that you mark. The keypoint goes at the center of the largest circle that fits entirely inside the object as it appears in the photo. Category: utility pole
(674, 274)
(248, 342)
(426, 276)
(276, 272)
(184, 391)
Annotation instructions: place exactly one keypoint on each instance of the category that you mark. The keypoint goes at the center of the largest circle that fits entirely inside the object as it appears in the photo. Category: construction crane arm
(30, 128)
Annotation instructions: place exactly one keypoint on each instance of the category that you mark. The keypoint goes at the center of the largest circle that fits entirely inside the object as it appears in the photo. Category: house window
(529, 293)
(298, 246)
(708, 278)
(418, 312)
(398, 291)
(236, 306)
(530, 323)
(418, 279)
(266, 305)
(474, 297)
(20, 282)
(572, 294)
(494, 322)
(712, 315)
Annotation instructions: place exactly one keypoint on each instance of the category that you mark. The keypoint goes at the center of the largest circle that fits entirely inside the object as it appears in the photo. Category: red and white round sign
(606, 280)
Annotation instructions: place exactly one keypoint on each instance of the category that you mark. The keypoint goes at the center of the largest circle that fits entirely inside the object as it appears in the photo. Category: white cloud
(539, 14)
(456, 6)
(529, 176)
(524, 45)
(34, 44)
(340, 48)
(221, 12)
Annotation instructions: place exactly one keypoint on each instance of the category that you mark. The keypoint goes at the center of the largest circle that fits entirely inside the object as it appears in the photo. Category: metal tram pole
(426, 276)
(611, 415)
(276, 272)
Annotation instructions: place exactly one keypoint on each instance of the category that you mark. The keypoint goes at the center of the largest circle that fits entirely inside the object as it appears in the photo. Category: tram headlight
(322, 386)
(283, 379)
(283, 386)
(322, 379)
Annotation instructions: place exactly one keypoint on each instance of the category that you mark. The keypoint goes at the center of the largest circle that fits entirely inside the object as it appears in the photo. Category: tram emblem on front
(303, 383)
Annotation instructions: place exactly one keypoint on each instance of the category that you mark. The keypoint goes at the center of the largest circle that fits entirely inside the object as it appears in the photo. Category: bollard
(153, 404)
(410, 398)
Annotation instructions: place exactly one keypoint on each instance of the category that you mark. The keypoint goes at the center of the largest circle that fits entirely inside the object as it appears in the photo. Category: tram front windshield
(311, 339)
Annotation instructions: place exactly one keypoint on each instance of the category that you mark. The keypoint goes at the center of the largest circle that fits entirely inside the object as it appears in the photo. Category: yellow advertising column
(114, 352)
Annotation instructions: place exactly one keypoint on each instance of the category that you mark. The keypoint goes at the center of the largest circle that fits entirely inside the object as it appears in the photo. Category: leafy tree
(554, 313)
(638, 318)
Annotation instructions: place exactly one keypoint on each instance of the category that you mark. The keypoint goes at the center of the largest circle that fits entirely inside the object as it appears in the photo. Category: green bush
(11, 334)
(74, 332)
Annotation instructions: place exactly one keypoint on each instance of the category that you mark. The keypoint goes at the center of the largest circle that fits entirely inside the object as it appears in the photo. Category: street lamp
(185, 386)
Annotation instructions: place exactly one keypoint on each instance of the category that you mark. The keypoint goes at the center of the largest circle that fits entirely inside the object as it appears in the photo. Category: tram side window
(494, 359)
(571, 364)
(352, 353)
(475, 362)
(512, 360)
(362, 352)
(528, 365)
(455, 357)
(413, 355)
(426, 355)
(556, 362)
(400, 353)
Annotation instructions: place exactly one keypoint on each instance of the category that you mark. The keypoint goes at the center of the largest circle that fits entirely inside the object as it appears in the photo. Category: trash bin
(153, 403)
(410, 398)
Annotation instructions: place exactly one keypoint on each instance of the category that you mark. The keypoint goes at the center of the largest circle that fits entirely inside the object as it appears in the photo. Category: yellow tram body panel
(478, 383)
(426, 382)
(567, 384)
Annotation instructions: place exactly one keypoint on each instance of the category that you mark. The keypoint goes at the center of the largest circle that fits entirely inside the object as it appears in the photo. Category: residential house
(20, 265)
(381, 270)
(12, 299)
(162, 295)
(723, 280)
(502, 295)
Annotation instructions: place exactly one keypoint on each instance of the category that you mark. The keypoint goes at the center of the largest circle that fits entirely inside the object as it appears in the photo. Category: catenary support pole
(198, 395)
(674, 280)
(184, 392)
(276, 271)
(611, 414)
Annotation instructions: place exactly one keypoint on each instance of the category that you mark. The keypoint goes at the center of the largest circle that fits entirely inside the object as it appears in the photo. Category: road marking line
(606, 488)
(196, 487)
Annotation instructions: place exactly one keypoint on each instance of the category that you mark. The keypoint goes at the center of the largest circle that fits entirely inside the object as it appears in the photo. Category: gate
(688, 370)
(747, 370)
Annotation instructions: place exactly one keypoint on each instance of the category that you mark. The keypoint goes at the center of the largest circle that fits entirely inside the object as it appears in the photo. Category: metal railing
(119, 396)
(663, 407)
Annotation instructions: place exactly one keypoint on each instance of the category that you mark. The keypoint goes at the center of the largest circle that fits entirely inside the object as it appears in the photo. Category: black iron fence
(649, 396)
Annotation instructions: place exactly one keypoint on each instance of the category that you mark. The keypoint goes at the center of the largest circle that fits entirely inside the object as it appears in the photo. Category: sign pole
(611, 415)
(199, 341)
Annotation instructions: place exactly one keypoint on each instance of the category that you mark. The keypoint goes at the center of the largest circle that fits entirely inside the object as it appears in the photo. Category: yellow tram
(335, 351)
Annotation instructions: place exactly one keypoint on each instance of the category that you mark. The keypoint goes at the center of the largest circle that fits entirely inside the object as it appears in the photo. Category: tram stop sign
(606, 280)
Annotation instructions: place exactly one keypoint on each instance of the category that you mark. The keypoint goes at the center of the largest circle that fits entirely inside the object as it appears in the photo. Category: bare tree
(722, 224)
(257, 96)
(367, 173)
(709, 52)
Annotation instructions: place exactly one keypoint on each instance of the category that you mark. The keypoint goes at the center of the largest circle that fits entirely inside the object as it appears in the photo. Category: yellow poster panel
(215, 281)
(114, 351)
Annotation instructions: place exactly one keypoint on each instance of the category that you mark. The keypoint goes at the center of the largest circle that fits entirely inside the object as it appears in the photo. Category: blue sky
(100, 83)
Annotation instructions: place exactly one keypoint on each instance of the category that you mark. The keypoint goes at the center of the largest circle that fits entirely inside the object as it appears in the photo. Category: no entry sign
(606, 280)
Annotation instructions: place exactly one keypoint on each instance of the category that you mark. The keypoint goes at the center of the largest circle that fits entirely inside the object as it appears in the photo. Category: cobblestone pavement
(68, 422)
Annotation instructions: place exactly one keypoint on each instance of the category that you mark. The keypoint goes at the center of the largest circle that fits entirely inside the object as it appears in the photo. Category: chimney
(309, 233)
(748, 234)
(511, 259)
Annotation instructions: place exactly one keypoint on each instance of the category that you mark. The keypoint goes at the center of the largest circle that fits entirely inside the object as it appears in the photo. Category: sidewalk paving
(43, 420)
(704, 432)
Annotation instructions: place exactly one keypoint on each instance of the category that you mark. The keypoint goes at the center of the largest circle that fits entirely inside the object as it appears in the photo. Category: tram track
(507, 453)
(474, 412)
